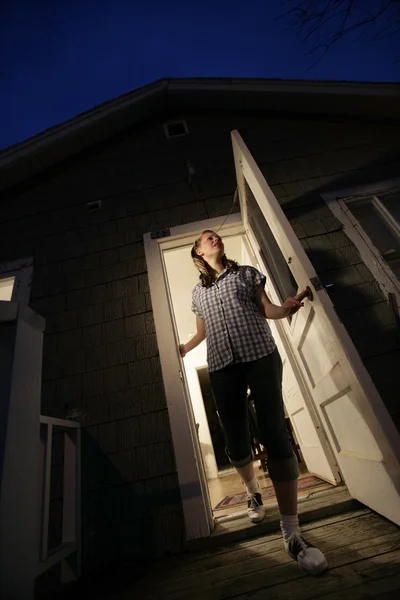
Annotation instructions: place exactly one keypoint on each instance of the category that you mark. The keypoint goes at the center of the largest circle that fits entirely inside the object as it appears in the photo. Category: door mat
(267, 492)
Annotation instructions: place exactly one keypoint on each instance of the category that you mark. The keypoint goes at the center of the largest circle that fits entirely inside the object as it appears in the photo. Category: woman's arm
(272, 311)
(198, 337)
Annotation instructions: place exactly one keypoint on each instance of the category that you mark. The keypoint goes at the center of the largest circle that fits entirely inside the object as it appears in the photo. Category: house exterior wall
(101, 363)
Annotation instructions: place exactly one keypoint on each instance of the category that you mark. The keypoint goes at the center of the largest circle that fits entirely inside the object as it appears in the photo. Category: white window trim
(22, 270)
(370, 254)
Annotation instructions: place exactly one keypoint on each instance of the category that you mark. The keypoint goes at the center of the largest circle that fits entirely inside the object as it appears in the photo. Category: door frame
(197, 509)
(198, 517)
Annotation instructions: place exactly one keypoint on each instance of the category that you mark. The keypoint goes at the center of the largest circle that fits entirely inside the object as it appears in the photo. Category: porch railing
(25, 463)
(68, 553)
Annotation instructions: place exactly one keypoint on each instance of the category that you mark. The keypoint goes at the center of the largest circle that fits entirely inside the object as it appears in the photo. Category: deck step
(317, 505)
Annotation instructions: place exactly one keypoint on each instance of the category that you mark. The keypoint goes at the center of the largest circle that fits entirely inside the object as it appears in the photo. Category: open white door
(362, 434)
(314, 446)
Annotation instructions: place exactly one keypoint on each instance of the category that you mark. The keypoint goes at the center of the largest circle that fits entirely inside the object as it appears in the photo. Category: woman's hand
(272, 311)
(292, 305)
(198, 337)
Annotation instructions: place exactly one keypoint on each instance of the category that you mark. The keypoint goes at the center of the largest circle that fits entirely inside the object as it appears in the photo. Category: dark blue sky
(60, 58)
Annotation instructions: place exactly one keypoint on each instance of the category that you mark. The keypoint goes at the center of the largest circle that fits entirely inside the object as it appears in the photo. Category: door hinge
(160, 234)
(181, 375)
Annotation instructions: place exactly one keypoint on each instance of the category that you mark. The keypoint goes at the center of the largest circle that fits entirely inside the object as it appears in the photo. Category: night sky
(60, 58)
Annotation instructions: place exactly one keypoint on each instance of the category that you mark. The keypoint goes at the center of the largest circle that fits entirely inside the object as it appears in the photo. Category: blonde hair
(206, 272)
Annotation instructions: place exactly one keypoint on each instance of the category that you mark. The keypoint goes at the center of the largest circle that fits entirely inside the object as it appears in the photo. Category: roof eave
(53, 145)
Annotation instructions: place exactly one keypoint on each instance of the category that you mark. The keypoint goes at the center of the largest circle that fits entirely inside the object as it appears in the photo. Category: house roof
(28, 158)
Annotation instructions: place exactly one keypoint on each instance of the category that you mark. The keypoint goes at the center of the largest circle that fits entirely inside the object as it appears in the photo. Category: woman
(231, 309)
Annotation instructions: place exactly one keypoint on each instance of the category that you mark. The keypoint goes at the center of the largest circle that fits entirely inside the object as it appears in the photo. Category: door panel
(313, 444)
(362, 434)
(312, 447)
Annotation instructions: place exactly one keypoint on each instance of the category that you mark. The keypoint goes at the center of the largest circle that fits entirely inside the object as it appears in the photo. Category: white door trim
(196, 506)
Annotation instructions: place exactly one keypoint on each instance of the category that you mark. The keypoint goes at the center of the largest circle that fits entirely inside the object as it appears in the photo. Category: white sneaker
(255, 508)
(309, 558)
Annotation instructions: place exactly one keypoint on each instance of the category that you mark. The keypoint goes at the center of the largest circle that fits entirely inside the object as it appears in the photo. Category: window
(15, 280)
(371, 219)
(379, 216)
(176, 129)
(6, 288)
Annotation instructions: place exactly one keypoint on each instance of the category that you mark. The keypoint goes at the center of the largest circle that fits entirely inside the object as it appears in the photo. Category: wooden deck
(363, 551)
(317, 504)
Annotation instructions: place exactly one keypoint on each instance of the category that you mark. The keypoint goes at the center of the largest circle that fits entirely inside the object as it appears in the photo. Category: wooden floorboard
(278, 574)
(247, 560)
(317, 505)
(392, 587)
(227, 554)
(363, 552)
(386, 588)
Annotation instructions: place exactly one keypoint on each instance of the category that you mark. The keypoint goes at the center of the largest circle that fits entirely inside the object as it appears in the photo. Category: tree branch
(328, 22)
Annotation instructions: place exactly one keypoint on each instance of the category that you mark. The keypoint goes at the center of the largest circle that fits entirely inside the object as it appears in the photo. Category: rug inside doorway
(305, 483)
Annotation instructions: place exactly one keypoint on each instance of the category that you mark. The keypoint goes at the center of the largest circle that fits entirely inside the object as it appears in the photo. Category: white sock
(289, 525)
(253, 487)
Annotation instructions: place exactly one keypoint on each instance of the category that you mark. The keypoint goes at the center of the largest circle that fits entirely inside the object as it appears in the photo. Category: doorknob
(310, 295)
(306, 294)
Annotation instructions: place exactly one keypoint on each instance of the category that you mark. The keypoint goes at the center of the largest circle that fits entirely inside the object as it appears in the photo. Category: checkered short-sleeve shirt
(235, 329)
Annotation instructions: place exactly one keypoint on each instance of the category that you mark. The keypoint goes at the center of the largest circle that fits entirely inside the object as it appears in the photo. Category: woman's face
(210, 246)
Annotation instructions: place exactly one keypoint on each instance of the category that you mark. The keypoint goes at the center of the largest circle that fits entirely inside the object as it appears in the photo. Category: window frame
(22, 270)
(338, 202)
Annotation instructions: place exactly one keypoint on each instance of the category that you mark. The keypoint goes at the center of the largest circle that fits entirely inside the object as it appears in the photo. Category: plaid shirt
(236, 331)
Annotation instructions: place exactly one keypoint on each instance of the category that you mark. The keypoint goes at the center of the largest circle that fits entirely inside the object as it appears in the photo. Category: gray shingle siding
(101, 360)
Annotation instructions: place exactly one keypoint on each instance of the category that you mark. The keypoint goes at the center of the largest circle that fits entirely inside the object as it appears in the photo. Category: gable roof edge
(34, 155)
(88, 117)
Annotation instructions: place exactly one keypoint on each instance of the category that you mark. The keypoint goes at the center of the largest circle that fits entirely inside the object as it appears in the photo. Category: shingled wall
(101, 363)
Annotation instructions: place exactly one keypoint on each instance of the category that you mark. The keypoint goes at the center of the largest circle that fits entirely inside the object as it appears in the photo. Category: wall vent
(175, 129)
(94, 205)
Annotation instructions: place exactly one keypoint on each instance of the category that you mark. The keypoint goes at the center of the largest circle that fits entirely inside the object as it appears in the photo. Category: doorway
(343, 428)
(226, 492)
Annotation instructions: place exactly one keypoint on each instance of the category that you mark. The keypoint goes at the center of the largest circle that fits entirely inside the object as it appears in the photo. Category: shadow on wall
(359, 302)
(126, 524)
(124, 517)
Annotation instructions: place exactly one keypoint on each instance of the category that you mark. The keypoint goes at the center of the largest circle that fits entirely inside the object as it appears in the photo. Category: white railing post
(25, 463)
(68, 554)
(46, 442)
(71, 529)
(21, 335)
